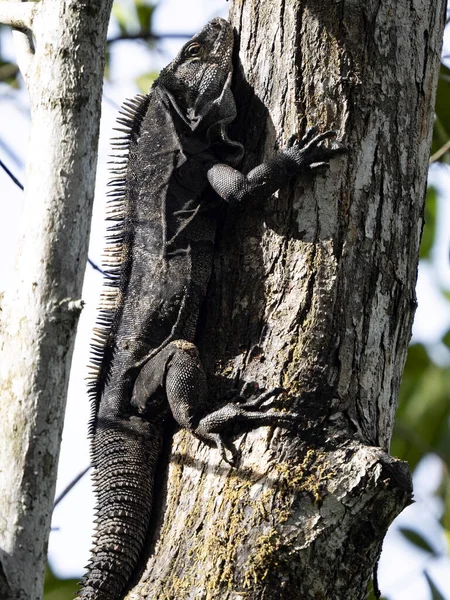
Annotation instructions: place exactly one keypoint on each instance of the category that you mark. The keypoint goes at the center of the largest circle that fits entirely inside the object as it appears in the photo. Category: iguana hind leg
(178, 371)
(212, 425)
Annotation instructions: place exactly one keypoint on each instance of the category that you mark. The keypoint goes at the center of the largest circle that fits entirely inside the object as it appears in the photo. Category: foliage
(59, 589)
(441, 132)
(423, 417)
(134, 19)
(424, 410)
(428, 235)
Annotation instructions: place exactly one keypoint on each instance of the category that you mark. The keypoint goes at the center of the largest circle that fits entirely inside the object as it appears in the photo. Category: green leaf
(121, 15)
(145, 14)
(416, 539)
(435, 593)
(446, 339)
(429, 229)
(447, 539)
(134, 18)
(424, 410)
(59, 589)
(145, 81)
(9, 73)
(441, 130)
(107, 72)
(445, 519)
(417, 363)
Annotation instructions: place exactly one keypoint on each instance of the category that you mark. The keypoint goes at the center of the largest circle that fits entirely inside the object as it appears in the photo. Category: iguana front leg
(267, 178)
(178, 372)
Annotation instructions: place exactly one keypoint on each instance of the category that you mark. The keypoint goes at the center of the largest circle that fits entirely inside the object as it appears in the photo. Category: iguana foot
(242, 410)
(311, 151)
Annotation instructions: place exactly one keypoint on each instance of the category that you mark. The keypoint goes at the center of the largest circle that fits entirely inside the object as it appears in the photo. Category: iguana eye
(194, 50)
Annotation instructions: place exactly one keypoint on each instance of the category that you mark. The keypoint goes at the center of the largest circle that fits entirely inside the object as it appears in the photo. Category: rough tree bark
(313, 291)
(62, 63)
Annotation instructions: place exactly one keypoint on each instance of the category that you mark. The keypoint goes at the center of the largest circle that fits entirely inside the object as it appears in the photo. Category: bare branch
(23, 43)
(67, 489)
(97, 268)
(148, 37)
(18, 15)
(11, 175)
(442, 150)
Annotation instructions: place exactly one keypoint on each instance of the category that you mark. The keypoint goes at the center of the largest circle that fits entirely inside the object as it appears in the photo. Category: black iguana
(177, 165)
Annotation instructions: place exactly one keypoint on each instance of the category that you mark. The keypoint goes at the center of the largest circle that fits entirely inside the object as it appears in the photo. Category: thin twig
(376, 587)
(97, 268)
(149, 37)
(67, 489)
(11, 154)
(13, 177)
(17, 182)
(442, 150)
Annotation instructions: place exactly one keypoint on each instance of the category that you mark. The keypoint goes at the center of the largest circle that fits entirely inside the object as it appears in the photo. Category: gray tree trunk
(63, 67)
(314, 291)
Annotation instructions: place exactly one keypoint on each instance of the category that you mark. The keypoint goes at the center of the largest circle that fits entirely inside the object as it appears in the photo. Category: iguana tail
(125, 453)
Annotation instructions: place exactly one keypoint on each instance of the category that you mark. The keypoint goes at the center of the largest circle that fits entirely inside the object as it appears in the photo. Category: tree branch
(65, 93)
(11, 175)
(18, 15)
(24, 46)
(148, 37)
(442, 150)
(67, 489)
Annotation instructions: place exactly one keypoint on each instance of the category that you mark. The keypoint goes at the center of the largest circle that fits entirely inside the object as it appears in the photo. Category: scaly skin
(158, 260)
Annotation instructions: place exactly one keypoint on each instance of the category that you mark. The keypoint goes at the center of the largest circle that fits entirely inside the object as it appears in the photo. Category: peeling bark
(314, 291)
(62, 63)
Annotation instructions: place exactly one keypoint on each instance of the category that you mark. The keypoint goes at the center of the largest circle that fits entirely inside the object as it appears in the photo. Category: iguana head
(200, 75)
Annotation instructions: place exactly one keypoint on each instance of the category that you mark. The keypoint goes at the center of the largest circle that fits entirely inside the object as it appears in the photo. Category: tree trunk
(63, 68)
(313, 291)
